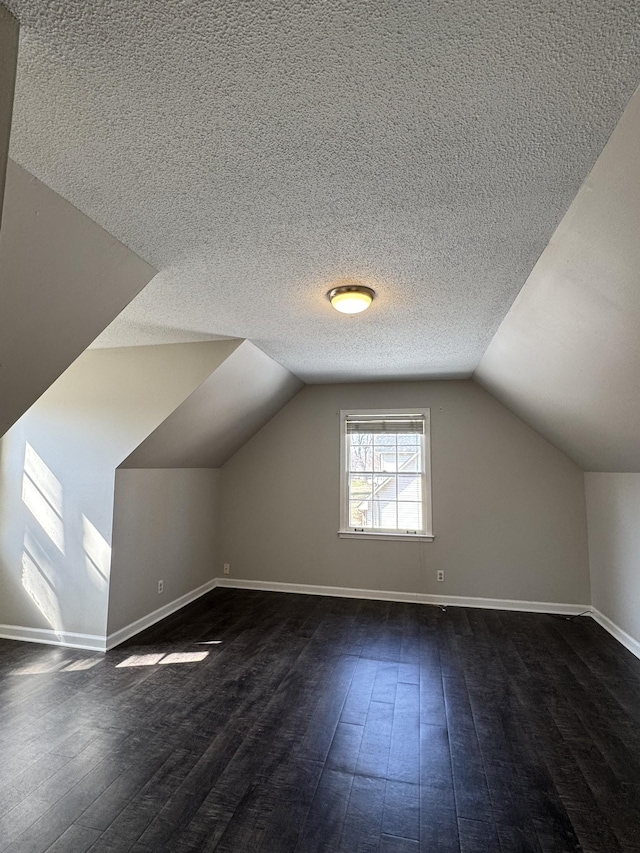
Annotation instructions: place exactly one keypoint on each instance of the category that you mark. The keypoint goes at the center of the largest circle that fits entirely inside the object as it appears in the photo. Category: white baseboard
(415, 597)
(447, 600)
(161, 613)
(69, 639)
(621, 636)
(97, 643)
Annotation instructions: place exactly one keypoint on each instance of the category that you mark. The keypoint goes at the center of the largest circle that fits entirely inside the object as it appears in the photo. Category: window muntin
(386, 477)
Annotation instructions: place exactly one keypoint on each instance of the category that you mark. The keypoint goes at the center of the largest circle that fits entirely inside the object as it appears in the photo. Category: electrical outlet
(227, 568)
(440, 575)
(160, 587)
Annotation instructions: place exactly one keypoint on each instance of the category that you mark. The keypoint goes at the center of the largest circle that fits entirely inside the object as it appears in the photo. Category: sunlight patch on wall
(42, 495)
(38, 581)
(35, 550)
(97, 553)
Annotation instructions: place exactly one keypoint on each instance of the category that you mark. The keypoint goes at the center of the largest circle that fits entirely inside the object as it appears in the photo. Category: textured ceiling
(8, 60)
(257, 152)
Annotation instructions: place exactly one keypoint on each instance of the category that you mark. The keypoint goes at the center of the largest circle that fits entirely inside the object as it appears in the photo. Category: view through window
(386, 484)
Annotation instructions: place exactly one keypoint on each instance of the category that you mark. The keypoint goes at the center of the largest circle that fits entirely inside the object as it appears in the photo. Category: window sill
(407, 537)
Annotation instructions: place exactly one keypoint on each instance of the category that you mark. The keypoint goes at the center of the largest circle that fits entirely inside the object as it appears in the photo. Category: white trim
(161, 613)
(49, 637)
(368, 534)
(447, 600)
(415, 597)
(96, 643)
(348, 532)
(621, 636)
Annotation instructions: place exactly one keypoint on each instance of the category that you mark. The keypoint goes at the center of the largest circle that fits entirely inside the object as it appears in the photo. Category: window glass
(386, 472)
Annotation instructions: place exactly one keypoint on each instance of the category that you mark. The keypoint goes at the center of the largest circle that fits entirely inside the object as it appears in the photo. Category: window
(385, 474)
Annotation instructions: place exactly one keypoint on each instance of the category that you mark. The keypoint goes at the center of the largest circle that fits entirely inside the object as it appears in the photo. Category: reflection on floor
(269, 722)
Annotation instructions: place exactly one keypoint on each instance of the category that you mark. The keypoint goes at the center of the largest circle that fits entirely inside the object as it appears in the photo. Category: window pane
(359, 513)
(384, 514)
(385, 477)
(384, 459)
(409, 516)
(361, 437)
(360, 487)
(385, 488)
(382, 439)
(409, 438)
(361, 458)
(408, 459)
(409, 487)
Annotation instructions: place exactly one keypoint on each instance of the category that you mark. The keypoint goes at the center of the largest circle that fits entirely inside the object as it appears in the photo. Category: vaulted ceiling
(567, 355)
(256, 153)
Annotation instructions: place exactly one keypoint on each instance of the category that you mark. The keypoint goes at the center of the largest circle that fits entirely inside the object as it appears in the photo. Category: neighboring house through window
(385, 474)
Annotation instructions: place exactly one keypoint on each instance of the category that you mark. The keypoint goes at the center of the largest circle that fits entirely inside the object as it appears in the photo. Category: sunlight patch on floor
(152, 660)
(81, 665)
(184, 657)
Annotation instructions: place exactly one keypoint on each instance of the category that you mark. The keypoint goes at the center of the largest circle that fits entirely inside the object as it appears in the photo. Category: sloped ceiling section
(63, 280)
(8, 60)
(118, 397)
(567, 355)
(237, 400)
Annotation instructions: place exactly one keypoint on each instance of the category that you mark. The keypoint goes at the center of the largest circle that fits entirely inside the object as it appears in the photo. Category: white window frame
(346, 531)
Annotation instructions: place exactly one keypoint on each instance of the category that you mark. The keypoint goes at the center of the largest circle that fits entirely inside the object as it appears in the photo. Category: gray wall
(613, 511)
(57, 477)
(164, 528)
(8, 61)
(508, 507)
(63, 280)
(221, 415)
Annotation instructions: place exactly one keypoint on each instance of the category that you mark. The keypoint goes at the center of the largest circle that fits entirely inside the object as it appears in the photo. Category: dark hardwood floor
(317, 724)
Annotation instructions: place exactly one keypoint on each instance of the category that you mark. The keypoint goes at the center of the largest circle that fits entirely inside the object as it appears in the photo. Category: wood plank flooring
(269, 722)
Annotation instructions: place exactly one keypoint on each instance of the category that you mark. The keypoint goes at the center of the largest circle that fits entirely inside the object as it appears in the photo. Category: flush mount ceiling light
(351, 298)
